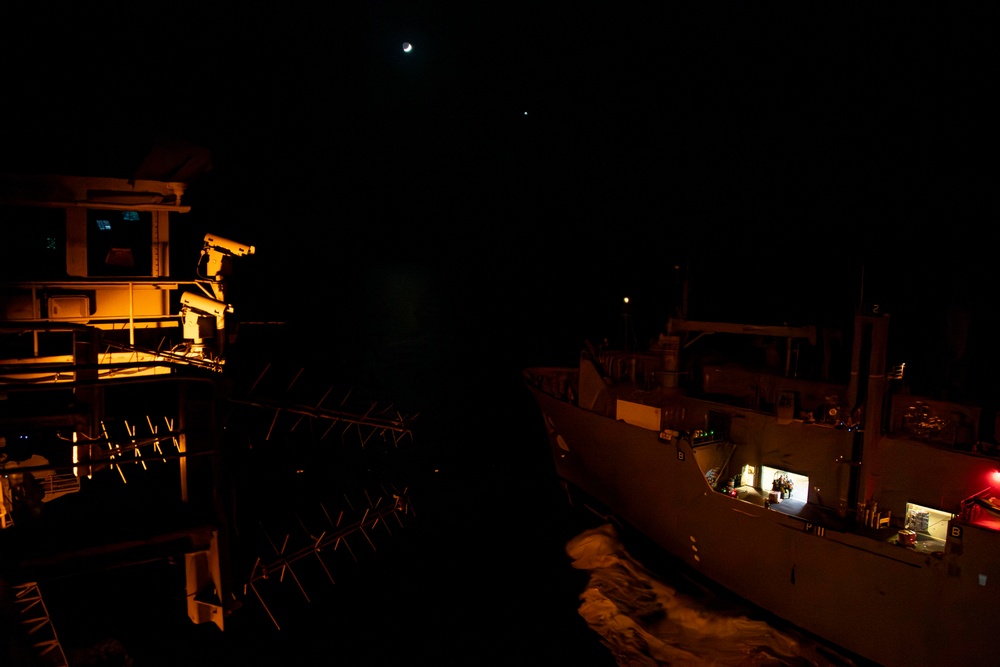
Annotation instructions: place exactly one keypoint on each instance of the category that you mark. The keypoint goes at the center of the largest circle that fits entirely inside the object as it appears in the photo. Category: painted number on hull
(680, 455)
(813, 528)
(956, 532)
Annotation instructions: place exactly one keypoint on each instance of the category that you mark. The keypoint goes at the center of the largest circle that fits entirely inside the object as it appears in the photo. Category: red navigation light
(995, 478)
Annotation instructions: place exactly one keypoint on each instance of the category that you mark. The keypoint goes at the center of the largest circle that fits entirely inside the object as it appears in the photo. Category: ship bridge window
(800, 483)
(119, 243)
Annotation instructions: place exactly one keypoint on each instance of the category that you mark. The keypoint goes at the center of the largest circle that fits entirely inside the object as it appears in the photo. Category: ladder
(34, 618)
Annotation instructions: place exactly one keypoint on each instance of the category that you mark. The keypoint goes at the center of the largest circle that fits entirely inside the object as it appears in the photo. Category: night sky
(512, 131)
(484, 201)
(722, 124)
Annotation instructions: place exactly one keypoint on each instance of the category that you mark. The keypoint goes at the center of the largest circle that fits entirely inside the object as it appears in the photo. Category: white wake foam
(644, 622)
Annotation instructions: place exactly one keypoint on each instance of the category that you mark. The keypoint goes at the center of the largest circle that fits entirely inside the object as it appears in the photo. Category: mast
(866, 392)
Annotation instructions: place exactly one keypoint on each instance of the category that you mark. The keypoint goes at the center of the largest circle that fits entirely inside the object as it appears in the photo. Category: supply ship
(836, 501)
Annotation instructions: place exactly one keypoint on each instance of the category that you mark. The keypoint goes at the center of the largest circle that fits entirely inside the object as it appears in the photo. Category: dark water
(475, 574)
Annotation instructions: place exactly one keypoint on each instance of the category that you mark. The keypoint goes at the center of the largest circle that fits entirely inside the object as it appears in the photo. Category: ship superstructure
(114, 398)
(108, 367)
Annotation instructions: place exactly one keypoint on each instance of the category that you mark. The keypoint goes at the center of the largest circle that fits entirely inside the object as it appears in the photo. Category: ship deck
(811, 513)
(830, 520)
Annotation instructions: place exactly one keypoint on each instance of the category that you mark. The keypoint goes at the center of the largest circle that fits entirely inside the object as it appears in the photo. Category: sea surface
(646, 619)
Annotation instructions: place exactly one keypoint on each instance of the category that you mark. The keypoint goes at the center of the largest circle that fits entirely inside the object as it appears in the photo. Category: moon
(407, 47)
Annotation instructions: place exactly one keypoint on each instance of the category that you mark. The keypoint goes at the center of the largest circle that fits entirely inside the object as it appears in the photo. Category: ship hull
(873, 598)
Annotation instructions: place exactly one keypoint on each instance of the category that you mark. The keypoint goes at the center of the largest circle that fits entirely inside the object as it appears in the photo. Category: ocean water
(647, 620)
